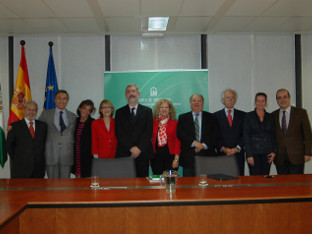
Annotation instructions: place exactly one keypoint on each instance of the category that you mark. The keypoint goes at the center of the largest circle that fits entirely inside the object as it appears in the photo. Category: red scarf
(162, 132)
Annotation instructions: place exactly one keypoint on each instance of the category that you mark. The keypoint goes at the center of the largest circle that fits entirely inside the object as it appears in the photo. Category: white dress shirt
(135, 109)
(28, 123)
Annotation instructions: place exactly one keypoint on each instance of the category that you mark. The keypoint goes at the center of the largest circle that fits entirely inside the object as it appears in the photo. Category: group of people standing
(62, 143)
(283, 136)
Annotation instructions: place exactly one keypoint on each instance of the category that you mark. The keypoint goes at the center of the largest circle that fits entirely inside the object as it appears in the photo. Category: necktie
(196, 125)
(229, 117)
(31, 129)
(62, 124)
(132, 112)
(284, 125)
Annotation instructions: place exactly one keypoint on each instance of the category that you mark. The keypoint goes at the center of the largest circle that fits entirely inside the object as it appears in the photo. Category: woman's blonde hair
(172, 112)
(109, 103)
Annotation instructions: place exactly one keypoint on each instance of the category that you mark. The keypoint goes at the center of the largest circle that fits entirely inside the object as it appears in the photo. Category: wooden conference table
(250, 204)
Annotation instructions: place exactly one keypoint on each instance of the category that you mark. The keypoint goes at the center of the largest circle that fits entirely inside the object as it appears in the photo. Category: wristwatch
(238, 149)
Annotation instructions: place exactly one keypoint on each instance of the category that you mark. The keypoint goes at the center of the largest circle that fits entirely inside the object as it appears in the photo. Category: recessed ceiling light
(157, 23)
(153, 34)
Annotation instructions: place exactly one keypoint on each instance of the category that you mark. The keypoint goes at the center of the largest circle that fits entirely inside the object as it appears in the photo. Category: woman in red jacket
(104, 141)
(165, 142)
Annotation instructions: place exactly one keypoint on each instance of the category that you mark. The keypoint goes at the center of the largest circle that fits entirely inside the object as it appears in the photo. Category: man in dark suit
(134, 129)
(59, 151)
(231, 122)
(293, 136)
(198, 132)
(25, 144)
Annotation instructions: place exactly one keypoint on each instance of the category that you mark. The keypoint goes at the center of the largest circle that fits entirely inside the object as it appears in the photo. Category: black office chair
(216, 165)
(114, 167)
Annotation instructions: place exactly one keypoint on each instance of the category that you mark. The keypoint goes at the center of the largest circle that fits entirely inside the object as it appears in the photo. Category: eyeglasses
(105, 107)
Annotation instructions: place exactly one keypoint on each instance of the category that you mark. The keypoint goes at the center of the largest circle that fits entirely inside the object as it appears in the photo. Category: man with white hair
(231, 121)
(198, 132)
(26, 144)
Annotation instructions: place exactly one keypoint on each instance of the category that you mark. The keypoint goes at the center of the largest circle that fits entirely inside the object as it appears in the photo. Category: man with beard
(134, 129)
(25, 143)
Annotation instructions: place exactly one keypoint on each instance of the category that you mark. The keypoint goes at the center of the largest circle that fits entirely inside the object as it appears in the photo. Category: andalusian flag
(51, 83)
(21, 91)
(3, 153)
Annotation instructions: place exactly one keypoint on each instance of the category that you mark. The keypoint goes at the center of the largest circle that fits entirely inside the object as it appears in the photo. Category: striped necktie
(196, 125)
(284, 125)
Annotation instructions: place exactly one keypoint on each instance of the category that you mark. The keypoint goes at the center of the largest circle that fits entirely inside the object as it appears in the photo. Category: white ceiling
(130, 16)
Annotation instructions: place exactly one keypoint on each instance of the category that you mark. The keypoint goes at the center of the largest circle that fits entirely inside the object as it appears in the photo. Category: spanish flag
(22, 92)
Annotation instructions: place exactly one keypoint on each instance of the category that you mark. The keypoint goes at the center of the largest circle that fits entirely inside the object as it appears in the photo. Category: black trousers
(162, 161)
(240, 159)
(142, 167)
(289, 168)
(261, 167)
(188, 172)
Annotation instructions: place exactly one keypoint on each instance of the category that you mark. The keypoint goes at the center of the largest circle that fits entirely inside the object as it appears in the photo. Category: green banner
(177, 86)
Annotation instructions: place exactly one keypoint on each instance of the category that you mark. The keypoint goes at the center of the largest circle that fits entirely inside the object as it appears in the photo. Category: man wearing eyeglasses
(134, 129)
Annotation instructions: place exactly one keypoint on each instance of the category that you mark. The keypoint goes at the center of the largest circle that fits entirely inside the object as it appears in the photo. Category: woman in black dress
(82, 150)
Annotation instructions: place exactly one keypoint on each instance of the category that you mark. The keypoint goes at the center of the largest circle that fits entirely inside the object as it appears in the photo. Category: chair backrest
(114, 167)
(216, 165)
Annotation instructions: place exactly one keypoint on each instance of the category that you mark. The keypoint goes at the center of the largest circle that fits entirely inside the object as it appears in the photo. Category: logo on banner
(153, 92)
(152, 98)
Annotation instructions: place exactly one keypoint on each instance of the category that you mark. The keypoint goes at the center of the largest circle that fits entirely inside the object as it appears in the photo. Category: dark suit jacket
(297, 140)
(259, 137)
(26, 153)
(230, 136)
(85, 148)
(136, 132)
(186, 134)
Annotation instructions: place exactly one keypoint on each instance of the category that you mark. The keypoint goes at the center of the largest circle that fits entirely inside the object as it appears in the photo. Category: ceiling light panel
(157, 23)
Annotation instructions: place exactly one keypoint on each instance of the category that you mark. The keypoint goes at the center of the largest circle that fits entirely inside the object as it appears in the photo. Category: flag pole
(51, 82)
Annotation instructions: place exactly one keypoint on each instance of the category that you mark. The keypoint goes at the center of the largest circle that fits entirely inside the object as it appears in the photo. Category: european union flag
(51, 84)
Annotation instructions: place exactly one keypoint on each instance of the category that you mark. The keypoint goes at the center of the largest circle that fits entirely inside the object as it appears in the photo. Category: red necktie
(31, 129)
(229, 116)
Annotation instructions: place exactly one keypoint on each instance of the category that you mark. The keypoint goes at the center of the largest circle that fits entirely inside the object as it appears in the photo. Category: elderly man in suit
(198, 132)
(231, 122)
(25, 144)
(59, 151)
(134, 129)
(293, 136)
